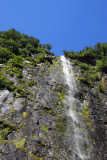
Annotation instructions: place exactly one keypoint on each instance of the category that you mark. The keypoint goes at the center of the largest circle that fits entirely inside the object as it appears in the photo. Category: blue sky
(65, 24)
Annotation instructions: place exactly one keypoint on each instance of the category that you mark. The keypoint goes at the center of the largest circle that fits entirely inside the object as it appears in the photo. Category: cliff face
(33, 114)
(32, 127)
(33, 121)
(96, 101)
(90, 65)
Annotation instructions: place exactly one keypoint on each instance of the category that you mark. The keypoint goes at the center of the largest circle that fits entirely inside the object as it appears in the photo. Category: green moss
(25, 114)
(61, 96)
(6, 129)
(20, 91)
(4, 133)
(89, 123)
(44, 128)
(85, 112)
(36, 100)
(61, 127)
(23, 101)
(29, 98)
(32, 83)
(10, 125)
(20, 143)
(33, 136)
(35, 157)
(12, 110)
(44, 113)
(23, 124)
(3, 141)
(11, 102)
(35, 108)
(20, 94)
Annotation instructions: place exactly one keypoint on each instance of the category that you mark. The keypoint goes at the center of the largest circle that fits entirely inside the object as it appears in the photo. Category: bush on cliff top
(91, 55)
(13, 43)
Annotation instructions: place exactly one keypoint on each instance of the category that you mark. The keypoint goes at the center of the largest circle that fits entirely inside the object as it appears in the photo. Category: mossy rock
(4, 133)
(44, 128)
(20, 143)
(6, 129)
(25, 114)
(35, 157)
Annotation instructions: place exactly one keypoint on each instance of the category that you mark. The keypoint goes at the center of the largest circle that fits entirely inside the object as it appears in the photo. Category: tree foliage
(91, 55)
(14, 43)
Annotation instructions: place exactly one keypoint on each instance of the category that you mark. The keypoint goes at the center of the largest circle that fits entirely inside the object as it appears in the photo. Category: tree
(5, 54)
(48, 46)
(97, 46)
(12, 34)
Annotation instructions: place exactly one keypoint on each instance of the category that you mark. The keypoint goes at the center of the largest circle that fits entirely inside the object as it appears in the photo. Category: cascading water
(78, 144)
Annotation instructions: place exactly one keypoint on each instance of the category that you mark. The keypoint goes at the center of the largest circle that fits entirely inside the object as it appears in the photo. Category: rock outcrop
(33, 121)
(96, 101)
(33, 126)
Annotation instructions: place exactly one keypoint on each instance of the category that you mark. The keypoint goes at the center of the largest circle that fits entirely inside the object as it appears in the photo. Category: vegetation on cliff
(14, 45)
(96, 56)
(92, 62)
(32, 120)
(16, 51)
(90, 67)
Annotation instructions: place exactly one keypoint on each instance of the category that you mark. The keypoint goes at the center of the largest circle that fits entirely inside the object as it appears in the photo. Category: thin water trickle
(77, 134)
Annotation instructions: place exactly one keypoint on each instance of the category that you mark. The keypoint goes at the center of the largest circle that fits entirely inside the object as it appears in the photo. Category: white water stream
(78, 143)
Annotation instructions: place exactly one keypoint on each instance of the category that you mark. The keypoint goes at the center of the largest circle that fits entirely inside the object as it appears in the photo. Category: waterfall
(78, 144)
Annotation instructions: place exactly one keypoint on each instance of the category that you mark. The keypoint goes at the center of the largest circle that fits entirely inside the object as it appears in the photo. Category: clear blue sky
(65, 24)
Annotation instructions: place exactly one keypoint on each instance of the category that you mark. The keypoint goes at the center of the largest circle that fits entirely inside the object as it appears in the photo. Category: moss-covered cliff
(90, 67)
(33, 118)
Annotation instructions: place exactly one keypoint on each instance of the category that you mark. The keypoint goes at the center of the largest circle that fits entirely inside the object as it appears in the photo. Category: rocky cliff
(34, 126)
(90, 67)
(96, 111)
(33, 119)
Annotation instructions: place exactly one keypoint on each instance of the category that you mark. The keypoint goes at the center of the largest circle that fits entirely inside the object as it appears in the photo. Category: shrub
(5, 54)
(85, 80)
(14, 43)
(87, 54)
(19, 74)
(94, 77)
(17, 62)
(40, 58)
(11, 45)
(30, 49)
(102, 65)
(100, 88)
(84, 66)
(6, 83)
(76, 62)
(11, 34)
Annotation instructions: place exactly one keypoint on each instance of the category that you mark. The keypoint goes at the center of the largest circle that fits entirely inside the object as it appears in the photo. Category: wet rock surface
(34, 126)
(28, 125)
(96, 101)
